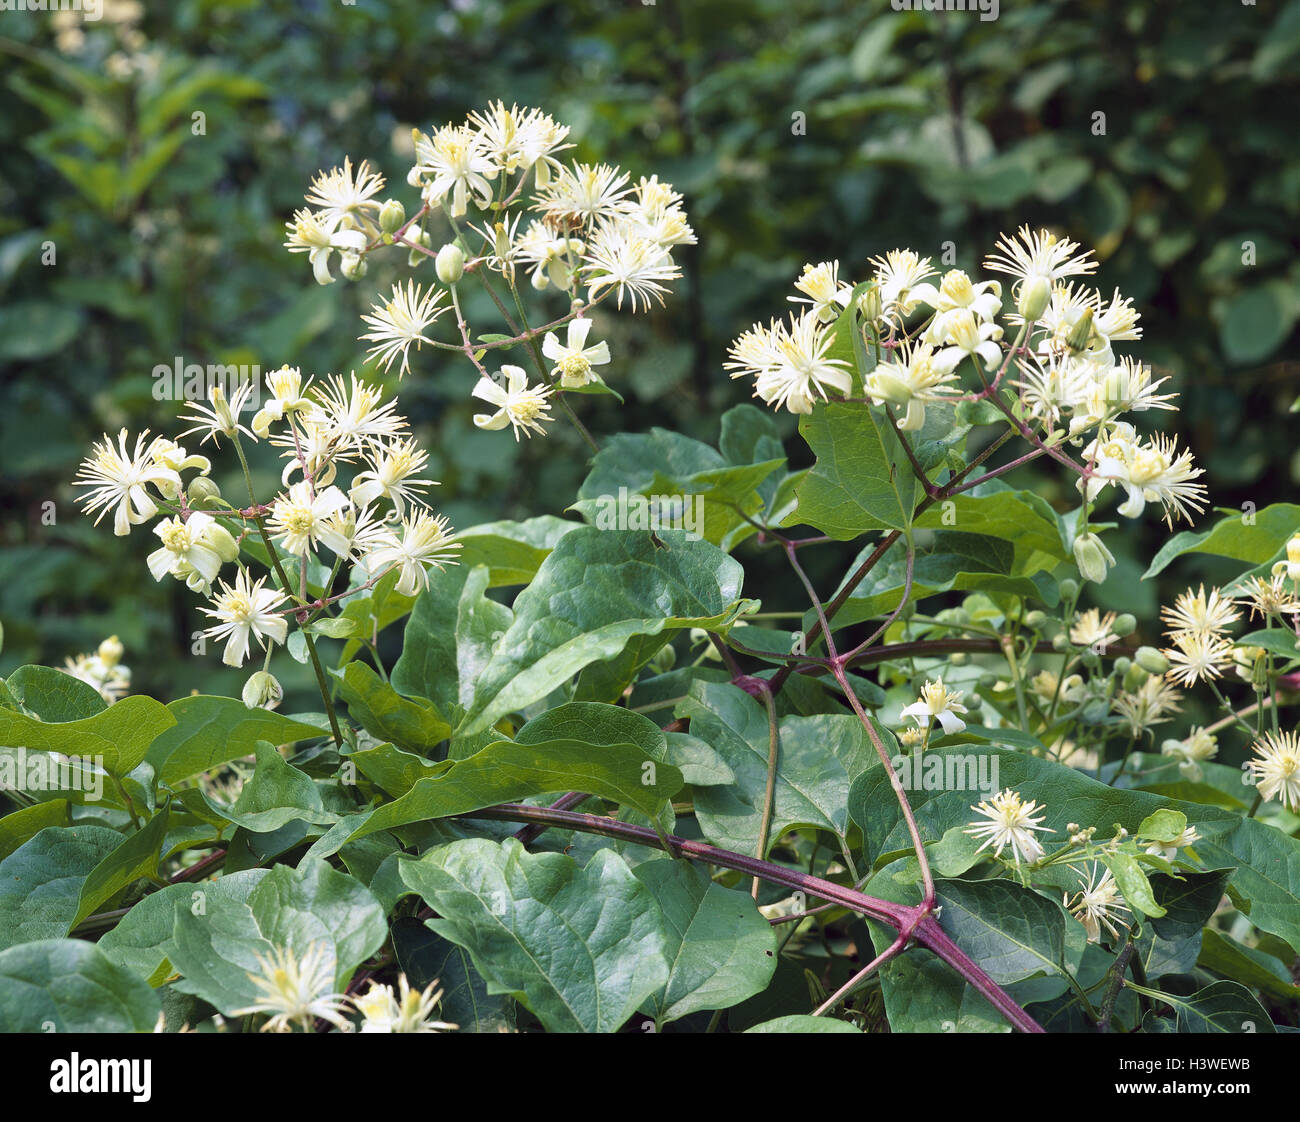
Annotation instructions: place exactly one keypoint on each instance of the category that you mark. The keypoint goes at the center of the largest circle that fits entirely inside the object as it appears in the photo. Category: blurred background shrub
(151, 158)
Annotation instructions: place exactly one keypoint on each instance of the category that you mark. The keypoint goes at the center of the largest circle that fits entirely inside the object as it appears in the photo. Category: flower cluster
(495, 182)
(919, 331)
(104, 670)
(379, 522)
(300, 990)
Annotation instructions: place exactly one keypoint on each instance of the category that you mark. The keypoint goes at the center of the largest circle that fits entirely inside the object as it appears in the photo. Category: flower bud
(1035, 295)
(1121, 665)
(664, 660)
(959, 658)
(1081, 333)
(419, 237)
(262, 691)
(1060, 642)
(220, 539)
(1293, 558)
(1093, 558)
(391, 216)
(201, 492)
(1125, 624)
(1069, 588)
(1134, 677)
(450, 263)
(870, 306)
(1034, 619)
(501, 241)
(1151, 660)
(353, 266)
(110, 651)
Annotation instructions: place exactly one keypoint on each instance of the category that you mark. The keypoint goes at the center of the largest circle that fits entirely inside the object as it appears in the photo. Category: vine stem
(912, 922)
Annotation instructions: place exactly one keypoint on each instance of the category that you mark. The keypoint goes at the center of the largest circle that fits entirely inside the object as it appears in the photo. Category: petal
(579, 329)
(552, 347)
(488, 390)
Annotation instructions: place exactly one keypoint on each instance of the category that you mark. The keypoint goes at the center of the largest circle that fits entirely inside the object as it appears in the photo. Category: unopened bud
(391, 216)
(959, 658)
(450, 263)
(353, 266)
(1069, 588)
(219, 538)
(1121, 665)
(1035, 295)
(1035, 619)
(1060, 642)
(1125, 624)
(1151, 660)
(1092, 557)
(1081, 333)
(1133, 678)
(262, 691)
(202, 492)
(870, 306)
(110, 651)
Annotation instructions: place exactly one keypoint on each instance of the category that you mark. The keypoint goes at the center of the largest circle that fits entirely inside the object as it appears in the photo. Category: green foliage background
(921, 128)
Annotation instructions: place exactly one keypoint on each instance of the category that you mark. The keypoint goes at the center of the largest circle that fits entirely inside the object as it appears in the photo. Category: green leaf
(394, 770)
(277, 794)
(861, 480)
(804, 1023)
(41, 881)
(425, 957)
(506, 771)
(212, 730)
(956, 561)
(1133, 883)
(52, 695)
(412, 724)
(720, 948)
(116, 739)
(34, 329)
(1164, 826)
(66, 985)
(994, 510)
(1257, 321)
(820, 756)
(1219, 1007)
(136, 857)
(1253, 536)
(1278, 640)
(216, 948)
(594, 594)
(1188, 900)
(582, 948)
(513, 551)
(20, 825)
(1012, 932)
(1247, 965)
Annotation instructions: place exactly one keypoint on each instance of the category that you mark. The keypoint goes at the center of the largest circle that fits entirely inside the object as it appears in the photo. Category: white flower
(1039, 254)
(517, 138)
(1170, 851)
(574, 359)
(823, 289)
(318, 237)
(391, 472)
(1154, 472)
(297, 516)
(1277, 769)
(789, 364)
(354, 415)
(168, 454)
(518, 404)
(1150, 704)
(915, 377)
(1098, 905)
(1199, 746)
(937, 702)
(245, 610)
(351, 532)
(454, 160)
(220, 416)
(340, 193)
(630, 263)
(297, 990)
(553, 259)
(424, 541)
(402, 321)
(192, 550)
(411, 1013)
(901, 275)
(1063, 382)
(287, 396)
(583, 194)
(119, 478)
(968, 338)
(1010, 823)
(1196, 658)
